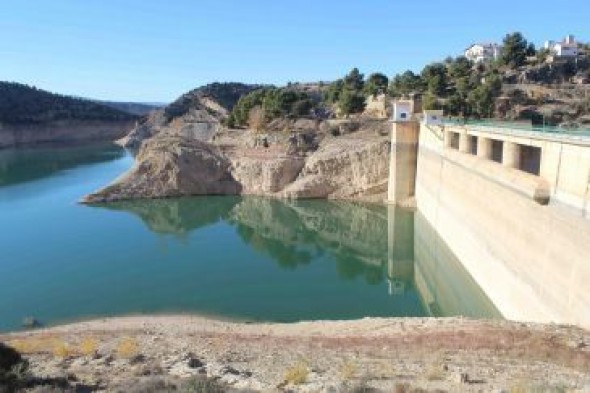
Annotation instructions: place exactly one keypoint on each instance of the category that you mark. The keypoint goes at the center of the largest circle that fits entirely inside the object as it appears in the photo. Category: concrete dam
(511, 204)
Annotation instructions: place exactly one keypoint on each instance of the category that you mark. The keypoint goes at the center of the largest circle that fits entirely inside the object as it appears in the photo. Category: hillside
(22, 104)
(198, 113)
(31, 116)
(217, 97)
(523, 83)
(134, 108)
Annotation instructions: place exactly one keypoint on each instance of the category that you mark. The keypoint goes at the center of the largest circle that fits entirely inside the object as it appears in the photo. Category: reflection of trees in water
(286, 255)
(23, 165)
(349, 268)
(291, 233)
(177, 216)
(295, 232)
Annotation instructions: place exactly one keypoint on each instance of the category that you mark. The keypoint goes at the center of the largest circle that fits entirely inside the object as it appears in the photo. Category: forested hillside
(22, 104)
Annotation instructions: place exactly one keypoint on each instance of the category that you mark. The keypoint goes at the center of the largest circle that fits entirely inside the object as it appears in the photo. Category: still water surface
(246, 258)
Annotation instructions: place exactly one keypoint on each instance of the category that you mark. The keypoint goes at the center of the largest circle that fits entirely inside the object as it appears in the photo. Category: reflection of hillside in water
(177, 216)
(371, 241)
(27, 164)
(294, 232)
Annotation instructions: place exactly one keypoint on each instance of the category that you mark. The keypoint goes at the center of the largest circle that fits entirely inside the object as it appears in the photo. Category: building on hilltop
(566, 48)
(482, 52)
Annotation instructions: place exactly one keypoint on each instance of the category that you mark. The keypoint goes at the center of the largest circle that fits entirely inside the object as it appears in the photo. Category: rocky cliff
(349, 167)
(169, 166)
(197, 114)
(353, 166)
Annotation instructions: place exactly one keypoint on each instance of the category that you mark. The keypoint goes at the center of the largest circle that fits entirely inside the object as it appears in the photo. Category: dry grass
(88, 346)
(349, 370)
(36, 344)
(435, 372)
(61, 349)
(297, 374)
(127, 348)
(385, 370)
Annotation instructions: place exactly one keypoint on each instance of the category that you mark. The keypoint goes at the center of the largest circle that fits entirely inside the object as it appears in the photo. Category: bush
(62, 350)
(88, 346)
(297, 374)
(335, 131)
(351, 101)
(127, 348)
(13, 368)
(274, 103)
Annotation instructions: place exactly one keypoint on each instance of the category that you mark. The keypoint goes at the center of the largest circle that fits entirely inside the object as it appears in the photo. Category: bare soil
(392, 354)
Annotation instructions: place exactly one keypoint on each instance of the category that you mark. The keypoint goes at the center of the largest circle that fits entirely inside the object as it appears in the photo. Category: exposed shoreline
(453, 354)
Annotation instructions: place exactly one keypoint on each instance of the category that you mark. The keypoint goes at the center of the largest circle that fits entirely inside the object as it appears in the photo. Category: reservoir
(243, 258)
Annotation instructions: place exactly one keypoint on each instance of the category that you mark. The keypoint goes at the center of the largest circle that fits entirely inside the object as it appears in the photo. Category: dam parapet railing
(521, 128)
(550, 166)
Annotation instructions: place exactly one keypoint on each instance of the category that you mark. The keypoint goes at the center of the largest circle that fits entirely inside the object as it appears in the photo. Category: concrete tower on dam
(404, 149)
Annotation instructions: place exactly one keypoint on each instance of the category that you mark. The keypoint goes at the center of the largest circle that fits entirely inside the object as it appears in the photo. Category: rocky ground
(130, 354)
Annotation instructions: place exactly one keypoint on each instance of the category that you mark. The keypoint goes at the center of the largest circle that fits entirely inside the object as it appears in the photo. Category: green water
(246, 258)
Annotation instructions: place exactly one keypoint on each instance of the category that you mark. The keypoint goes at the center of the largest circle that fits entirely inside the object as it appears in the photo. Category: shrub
(88, 346)
(13, 368)
(61, 350)
(349, 370)
(9, 357)
(127, 347)
(297, 374)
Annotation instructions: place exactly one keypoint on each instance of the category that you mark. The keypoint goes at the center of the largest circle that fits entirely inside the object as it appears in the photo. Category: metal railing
(516, 126)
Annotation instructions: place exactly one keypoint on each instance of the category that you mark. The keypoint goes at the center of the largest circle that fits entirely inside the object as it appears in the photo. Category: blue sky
(153, 51)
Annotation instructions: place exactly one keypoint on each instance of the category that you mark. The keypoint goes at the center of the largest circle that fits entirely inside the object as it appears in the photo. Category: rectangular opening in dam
(454, 140)
(473, 144)
(497, 147)
(530, 159)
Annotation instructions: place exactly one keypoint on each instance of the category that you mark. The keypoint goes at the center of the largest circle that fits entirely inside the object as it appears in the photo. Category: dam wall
(514, 210)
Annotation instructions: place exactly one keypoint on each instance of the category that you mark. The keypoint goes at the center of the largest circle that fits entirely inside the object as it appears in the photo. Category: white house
(483, 52)
(566, 48)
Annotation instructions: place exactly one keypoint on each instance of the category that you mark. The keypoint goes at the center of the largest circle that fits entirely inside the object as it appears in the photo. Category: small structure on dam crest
(404, 149)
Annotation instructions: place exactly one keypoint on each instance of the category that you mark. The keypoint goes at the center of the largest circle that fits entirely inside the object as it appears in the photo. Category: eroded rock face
(265, 177)
(168, 166)
(344, 169)
(347, 167)
(196, 124)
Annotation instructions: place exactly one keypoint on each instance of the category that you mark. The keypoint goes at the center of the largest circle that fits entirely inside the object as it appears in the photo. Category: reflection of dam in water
(419, 257)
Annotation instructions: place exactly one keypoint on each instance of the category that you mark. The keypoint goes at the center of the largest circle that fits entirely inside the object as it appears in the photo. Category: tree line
(25, 104)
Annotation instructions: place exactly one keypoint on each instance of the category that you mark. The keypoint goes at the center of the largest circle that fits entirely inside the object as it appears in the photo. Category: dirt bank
(451, 354)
